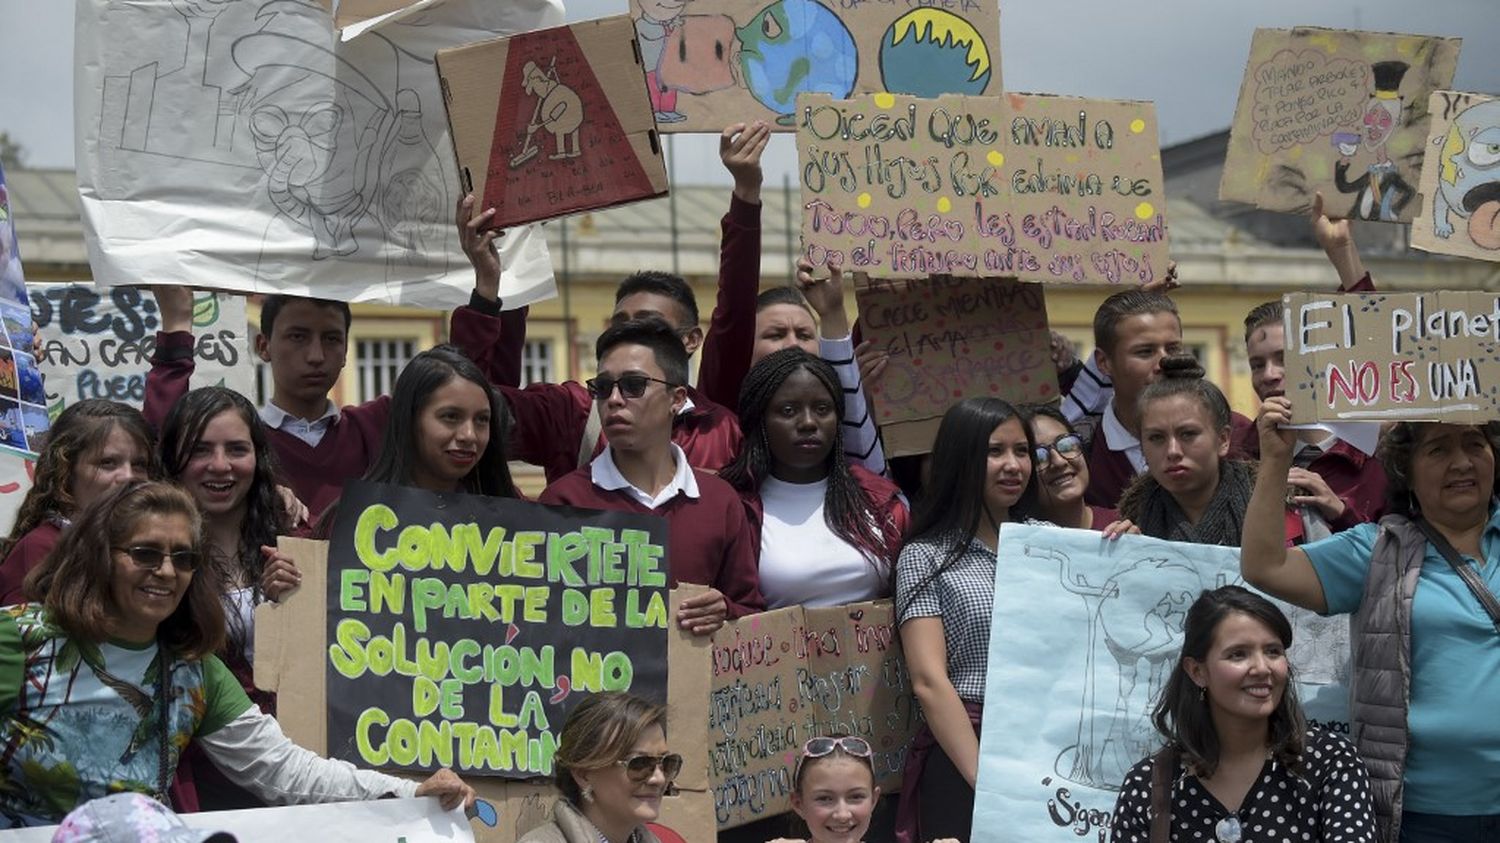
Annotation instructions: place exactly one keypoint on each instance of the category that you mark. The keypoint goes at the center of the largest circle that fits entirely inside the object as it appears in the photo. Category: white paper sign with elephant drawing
(1086, 632)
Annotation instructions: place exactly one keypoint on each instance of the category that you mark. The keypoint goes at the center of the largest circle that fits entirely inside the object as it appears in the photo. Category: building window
(379, 363)
(536, 363)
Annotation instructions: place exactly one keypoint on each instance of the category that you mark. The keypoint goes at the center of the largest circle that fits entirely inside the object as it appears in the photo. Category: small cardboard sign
(1036, 187)
(464, 628)
(784, 676)
(949, 339)
(1335, 111)
(717, 62)
(552, 122)
(23, 410)
(1461, 178)
(1394, 357)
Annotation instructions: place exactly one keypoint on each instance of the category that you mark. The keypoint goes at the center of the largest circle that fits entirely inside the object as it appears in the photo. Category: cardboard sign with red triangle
(553, 122)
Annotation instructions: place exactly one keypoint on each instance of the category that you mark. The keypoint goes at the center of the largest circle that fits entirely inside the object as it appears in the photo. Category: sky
(1188, 56)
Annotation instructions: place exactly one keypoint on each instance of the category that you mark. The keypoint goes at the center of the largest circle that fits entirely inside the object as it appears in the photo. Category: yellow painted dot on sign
(995, 158)
(885, 100)
(1138, 125)
(944, 205)
(863, 200)
(1144, 211)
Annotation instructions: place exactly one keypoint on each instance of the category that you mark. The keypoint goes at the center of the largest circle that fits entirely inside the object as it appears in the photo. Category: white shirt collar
(276, 417)
(606, 475)
(1120, 439)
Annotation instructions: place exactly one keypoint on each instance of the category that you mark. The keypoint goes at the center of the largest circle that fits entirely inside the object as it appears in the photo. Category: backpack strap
(1163, 771)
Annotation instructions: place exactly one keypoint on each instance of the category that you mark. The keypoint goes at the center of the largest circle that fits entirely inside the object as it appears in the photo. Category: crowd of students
(148, 538)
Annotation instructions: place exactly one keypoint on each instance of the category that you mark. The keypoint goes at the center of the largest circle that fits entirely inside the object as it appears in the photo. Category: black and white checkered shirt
(962, 596)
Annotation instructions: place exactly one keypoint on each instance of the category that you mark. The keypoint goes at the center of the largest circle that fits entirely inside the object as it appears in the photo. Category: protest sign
(1393, 356)
(1041, 188)
(952, 338)
(98, 342)
(23, 411)
(291, 637)
(1335, 111)
(1461, 178)
(1086, 632)
(718, 62)
(16, 472)
(553, 122)
(239, 145)
(784, 676)
(464, 628)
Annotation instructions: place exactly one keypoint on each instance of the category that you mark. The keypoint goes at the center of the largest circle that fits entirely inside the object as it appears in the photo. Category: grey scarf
(1156, 512)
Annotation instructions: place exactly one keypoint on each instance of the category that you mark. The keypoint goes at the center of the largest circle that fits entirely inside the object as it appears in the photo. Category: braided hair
(846, 509)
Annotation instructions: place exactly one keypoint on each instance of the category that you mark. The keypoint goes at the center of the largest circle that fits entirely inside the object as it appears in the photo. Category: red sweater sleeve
(172, 367)
(731, 329)
(28, 552)
(492, 338)
(549, 420)
(739, 575)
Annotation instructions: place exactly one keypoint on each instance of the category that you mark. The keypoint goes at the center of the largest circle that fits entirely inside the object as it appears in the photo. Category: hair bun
(1181, 366)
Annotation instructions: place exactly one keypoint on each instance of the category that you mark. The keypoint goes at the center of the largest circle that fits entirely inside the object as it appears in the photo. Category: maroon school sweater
(708, 539)
(1356, 477)
(1110, 471)
(731, 330)
(28, 552)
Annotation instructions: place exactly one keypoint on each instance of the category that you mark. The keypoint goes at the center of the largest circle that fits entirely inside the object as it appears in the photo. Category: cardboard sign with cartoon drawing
(1461, 178)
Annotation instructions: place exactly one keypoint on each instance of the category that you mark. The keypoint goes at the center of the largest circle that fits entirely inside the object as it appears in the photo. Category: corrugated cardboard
(553, 122)
(1300, 128)
(1036, 187)
(1460, 178)
(716, 62)
(1393, 356)
(948, 339)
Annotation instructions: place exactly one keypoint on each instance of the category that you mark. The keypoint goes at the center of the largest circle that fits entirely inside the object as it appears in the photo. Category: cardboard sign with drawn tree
(1461, 178)
(950, 339)
(1037, 187)
(462, 629)
(784, 676)
(1394, 356)
(552, 122)
(1335, 111)
(711, 63)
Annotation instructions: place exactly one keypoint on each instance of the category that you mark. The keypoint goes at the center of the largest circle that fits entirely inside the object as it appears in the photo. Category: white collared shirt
(606, 475)
(1119, 439)
(310, 432)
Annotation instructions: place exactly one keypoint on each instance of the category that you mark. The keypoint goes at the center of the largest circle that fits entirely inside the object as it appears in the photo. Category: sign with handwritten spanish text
(951, 338)
(1461, 178)
(784, 676)
(462, 629)
(1335, 111)
(1393, 356)
(1036, 187)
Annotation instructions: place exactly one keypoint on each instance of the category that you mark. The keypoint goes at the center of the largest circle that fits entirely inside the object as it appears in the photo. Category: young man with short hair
(640, 391)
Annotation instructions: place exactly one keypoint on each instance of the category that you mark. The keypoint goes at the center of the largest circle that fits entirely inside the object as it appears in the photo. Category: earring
(588, 793)
(1202, 693)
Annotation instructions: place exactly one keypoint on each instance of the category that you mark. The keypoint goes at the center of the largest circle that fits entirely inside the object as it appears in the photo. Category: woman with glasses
(827, 532)
(1062, 476)
(1240, 764)
(113, 674)
(612, 767)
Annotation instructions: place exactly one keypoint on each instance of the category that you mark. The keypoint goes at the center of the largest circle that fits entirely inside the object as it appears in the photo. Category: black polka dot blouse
(1328, 803)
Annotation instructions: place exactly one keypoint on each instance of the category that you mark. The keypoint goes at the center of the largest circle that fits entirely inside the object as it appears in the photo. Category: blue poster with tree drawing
(1085, 633)
(23, 410)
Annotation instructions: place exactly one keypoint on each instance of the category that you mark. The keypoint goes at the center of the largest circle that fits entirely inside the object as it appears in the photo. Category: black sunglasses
(1067, 446)
(631, 386)
(640, 767)
(145, 556)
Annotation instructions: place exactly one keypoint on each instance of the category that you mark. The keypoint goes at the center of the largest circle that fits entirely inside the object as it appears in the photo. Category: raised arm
(493, 338)
(172, 363)
(836, 345)
(1265, 560)
(1337, 239)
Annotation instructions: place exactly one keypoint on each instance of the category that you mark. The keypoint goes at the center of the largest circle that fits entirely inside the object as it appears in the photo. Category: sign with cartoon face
(717, 62)
(1461, 178)
(1340, 112)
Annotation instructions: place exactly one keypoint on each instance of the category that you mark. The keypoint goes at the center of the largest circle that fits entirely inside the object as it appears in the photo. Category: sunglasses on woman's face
(640, 767)
(1068, 446)
(145, 556)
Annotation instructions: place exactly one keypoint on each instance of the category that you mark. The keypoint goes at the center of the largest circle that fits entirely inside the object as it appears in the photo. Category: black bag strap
(1465, 571)
(1163, 771)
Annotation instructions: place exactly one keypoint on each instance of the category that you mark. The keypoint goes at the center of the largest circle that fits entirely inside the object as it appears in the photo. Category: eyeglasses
(1068, 446)
(1228, 830)
(640, 767)
(145, 556)
(631, 386)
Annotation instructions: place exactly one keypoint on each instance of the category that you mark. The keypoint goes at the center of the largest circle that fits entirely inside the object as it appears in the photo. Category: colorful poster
(1035, 187)
(1393, 356)
(951, 338)
(716, 62)
(23, 406)
(462, 629)
(240, 145)
(1340, 112)
(784, 676)
(1461, 178)
(97, 343)
(1085, 633)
